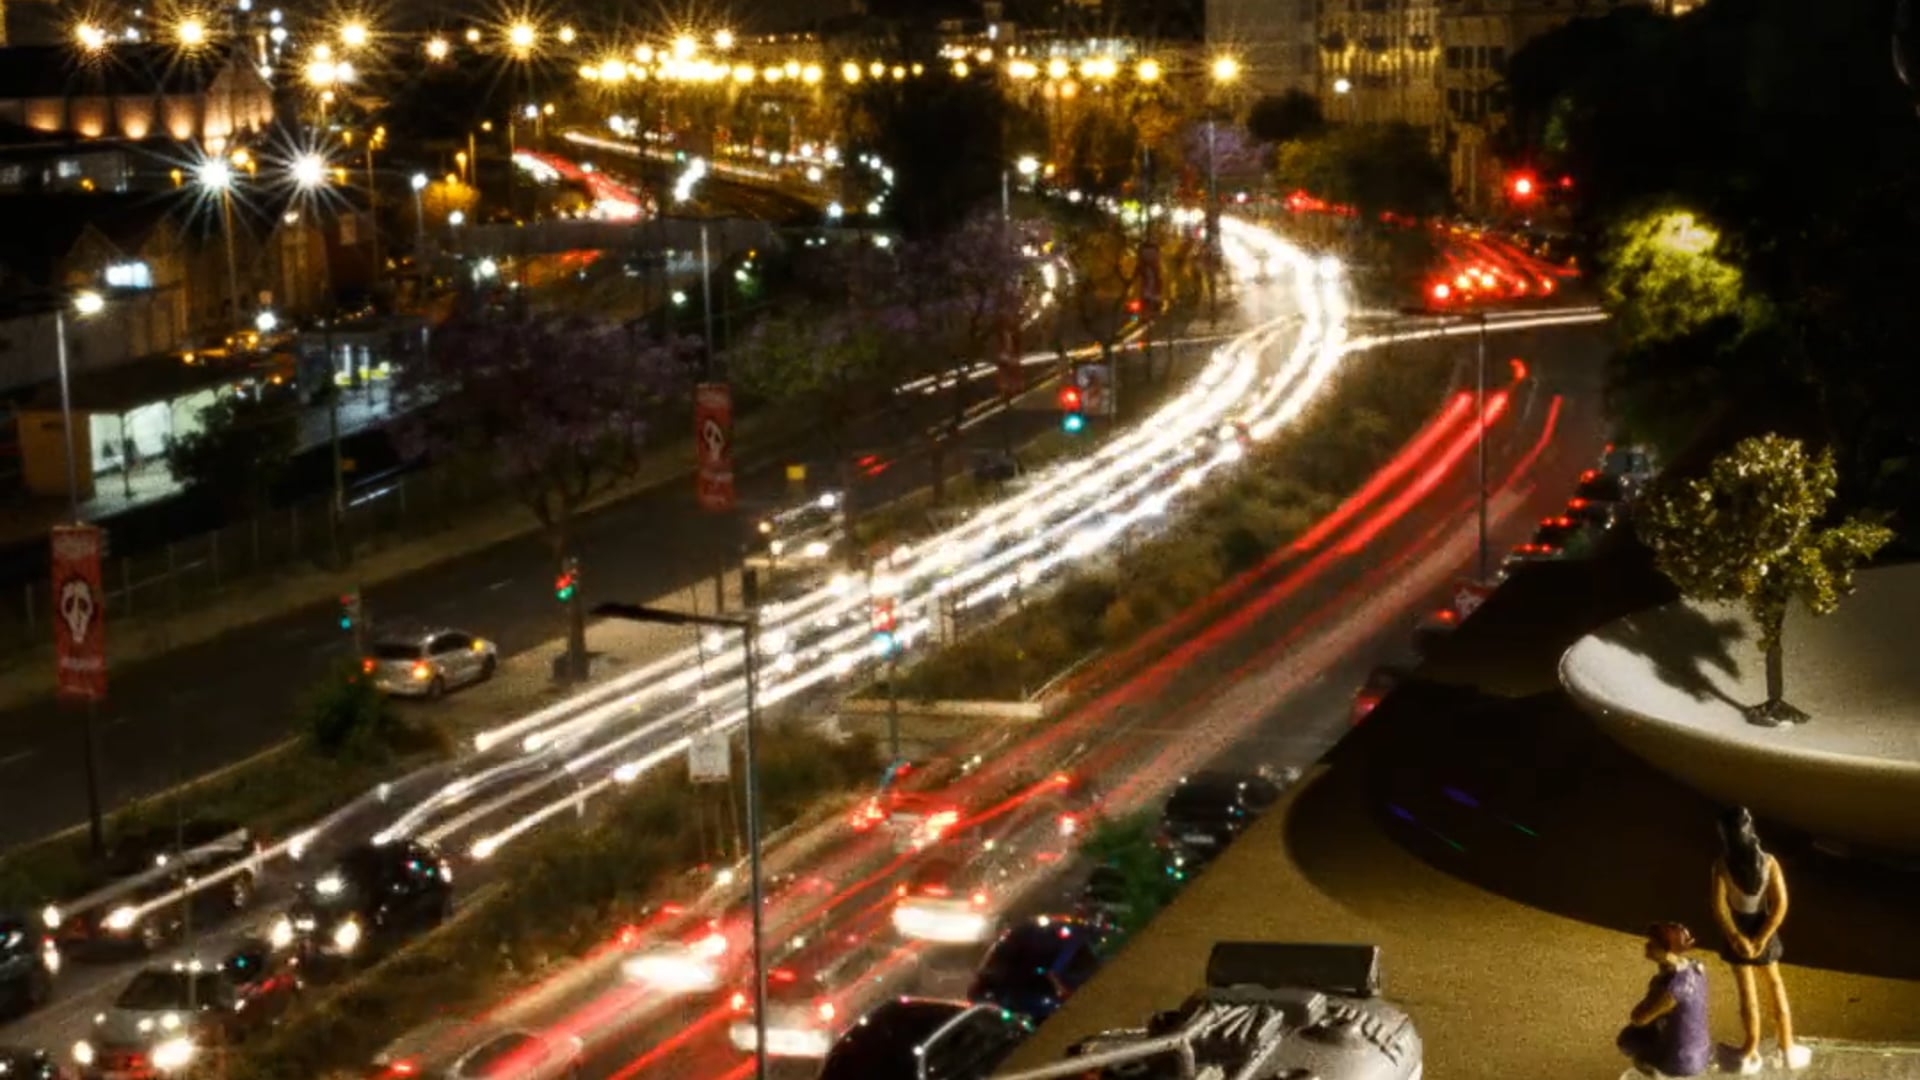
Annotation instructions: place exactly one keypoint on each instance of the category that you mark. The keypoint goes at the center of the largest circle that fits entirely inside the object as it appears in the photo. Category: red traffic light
(1522, 185)
(1070, 399)
(1135, 306)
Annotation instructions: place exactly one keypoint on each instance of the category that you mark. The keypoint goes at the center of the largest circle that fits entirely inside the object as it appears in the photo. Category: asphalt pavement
(1267, 676)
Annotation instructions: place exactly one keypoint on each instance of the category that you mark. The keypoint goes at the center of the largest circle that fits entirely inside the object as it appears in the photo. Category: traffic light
(1135, 306)
(1522, 186)
(568, 583)
(349, 610)
(884, 625)
(1072, 419)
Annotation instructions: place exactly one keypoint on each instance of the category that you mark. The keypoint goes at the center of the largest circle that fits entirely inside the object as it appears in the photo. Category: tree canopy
(944, 140)
(1750, 532)
(1373, 168)
(241, 451)
(1279, 118)
(1784, 126)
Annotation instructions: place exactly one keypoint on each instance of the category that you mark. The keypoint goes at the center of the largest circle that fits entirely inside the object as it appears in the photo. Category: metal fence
(190, 575)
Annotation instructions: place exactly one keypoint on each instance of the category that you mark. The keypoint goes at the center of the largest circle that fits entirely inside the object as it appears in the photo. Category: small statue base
(1774, 714)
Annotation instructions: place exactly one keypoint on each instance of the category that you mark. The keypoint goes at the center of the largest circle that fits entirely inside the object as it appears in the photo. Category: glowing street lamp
(684, 46)
(1343, 85)
(723, 40)
(850, 71)
(1058, 69)
(1028, 165)
(91, 37)
(810, 74)
(521, 36)
(309, 171)
(567, 34)
(215, 176)
(191, 32)
(1226, 69)
(437, 48)
(1149, 70)
(354, 35)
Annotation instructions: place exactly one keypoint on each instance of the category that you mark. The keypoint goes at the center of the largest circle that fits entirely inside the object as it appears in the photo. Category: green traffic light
(346, 623)
(1073, 423)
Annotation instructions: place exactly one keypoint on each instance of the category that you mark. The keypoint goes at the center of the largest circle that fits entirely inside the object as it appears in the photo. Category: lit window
(129, 275)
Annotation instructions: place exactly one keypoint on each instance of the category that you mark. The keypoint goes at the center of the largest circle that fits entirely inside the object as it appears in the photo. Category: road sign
(1469, 595)
(709, 759)
(713, 436)
(80, 613)
(1096, 397)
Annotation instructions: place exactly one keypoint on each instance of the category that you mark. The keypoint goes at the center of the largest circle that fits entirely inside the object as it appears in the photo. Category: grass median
(558, 896)
(1353, 428)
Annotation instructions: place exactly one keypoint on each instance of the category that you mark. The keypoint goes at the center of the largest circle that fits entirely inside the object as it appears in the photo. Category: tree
(967, 290)
(1748, 532)
(1663, 278)
(558, 406)
(1286, 117)
(943, 139)
(1375, 168)
(241, 451)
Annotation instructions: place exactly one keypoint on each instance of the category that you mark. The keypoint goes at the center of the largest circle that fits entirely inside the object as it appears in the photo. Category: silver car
(459, 1049)
(428, 663)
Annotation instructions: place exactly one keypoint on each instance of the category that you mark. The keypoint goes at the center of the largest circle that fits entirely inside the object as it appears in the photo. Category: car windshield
(153, 990)
(397, 650)
(1204, 797)
(882, 1045)
(1025, 956)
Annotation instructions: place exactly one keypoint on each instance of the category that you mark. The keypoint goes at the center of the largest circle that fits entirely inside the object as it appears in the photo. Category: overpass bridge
(669, 238)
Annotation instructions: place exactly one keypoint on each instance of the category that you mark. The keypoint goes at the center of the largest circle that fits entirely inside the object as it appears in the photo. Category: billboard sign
(79, 613)
(713, 438)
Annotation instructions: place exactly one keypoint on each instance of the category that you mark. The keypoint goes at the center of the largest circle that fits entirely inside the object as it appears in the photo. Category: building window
(1497, 57)
(67, 168)
(1479, 56)
(1453, 58)
(1453, 100)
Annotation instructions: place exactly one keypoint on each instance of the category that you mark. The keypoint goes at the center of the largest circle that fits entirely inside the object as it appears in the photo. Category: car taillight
(422, 671)
(368, 665)
(402, 1068)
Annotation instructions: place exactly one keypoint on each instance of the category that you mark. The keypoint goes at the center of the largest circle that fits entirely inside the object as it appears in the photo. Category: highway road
(529, 771)
(1260, 673)
(1266, 379)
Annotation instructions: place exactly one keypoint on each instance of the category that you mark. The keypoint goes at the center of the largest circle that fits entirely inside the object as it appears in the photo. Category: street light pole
(66, 411)
(706, 295)
(749, 626)
(86, 304)
(1480, 406)
(233, 273)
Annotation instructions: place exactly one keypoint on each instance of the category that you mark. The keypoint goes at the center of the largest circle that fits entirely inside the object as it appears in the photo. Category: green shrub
(346, 716)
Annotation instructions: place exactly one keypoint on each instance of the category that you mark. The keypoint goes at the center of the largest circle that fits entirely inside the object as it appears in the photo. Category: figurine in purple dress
(1667, 1035)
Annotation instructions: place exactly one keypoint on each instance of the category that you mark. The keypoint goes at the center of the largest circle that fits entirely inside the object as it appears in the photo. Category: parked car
(374, 898)
(1104, 897)
(428, 663)
(1036, 966)
(138, 911)
(20, 1063)
(1632, 464)
(1207, 810)
(167, 1017)
(29, 960)
(925, 1039)
(464, 1049)
(1598, 516)
(1556, 538)
(1380, 682)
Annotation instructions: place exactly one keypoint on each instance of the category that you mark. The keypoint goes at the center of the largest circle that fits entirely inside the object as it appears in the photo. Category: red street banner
(713, 437)
(79, 613)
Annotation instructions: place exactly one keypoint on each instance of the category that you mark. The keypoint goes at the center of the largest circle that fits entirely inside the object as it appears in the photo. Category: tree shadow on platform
(1682, 645)
(1524, 798)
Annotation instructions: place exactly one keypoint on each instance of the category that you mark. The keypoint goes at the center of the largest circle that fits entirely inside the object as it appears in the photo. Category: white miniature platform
(1669, 685)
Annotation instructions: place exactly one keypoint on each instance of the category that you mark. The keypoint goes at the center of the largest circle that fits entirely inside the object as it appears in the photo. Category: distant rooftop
(121, 70)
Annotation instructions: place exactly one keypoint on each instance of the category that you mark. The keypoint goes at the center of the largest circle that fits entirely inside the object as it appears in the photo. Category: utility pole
(1480, 405)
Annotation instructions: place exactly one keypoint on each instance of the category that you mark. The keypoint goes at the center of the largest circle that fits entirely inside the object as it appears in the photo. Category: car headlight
(52, 916)
(120, 918)
(346, 936)
(50, 957)
(176, 1053)
(776, 547)
(281, 935)
(83, 1052)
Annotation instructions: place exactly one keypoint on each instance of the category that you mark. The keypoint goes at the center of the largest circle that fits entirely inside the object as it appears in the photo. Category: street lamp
(437, 49)
(265, 322)
(1225, 69)
(723, 40)
(216, 176)
(354, 35)
(1343, 85)
(84, 304)
(749, 627)
(191, 32)
(419, 183)
(521, 35)
(1480, 408)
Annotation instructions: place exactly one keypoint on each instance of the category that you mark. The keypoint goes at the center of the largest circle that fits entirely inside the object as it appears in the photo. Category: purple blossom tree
(969, 290)
(558, 406)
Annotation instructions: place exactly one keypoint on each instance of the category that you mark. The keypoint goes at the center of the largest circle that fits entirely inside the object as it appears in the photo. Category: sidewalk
(151, 481)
